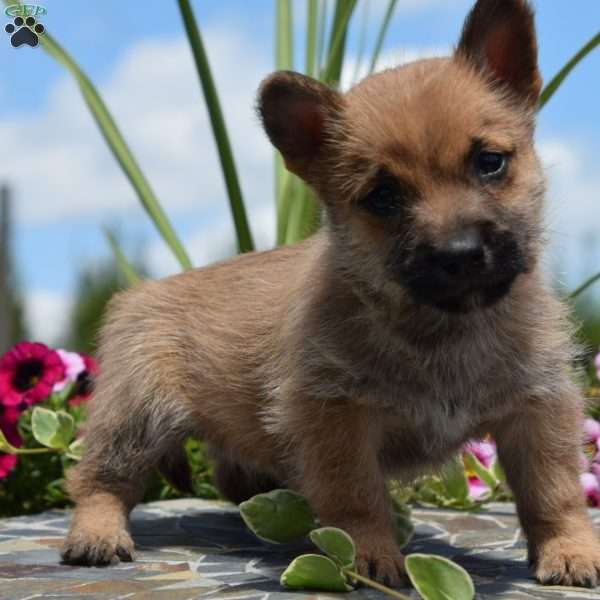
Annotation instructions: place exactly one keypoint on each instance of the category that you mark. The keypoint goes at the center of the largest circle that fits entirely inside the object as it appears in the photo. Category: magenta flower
(28, 373)
(597, 365)
(9, 461)
(485, 452)
(590, 462)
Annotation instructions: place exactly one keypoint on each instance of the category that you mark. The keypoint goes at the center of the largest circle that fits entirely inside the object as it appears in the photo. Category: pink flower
(74, 365)
(597, 364)
(28, 373)
(591, 488)
(84, 386)
(485, 452)
(9, 461)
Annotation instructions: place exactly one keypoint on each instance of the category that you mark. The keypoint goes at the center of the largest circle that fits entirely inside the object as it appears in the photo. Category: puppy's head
(427, 172)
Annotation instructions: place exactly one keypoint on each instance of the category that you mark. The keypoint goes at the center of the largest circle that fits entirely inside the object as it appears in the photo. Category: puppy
(416, 318)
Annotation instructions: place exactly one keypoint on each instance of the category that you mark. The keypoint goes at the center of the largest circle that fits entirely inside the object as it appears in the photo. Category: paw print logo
(24, 31)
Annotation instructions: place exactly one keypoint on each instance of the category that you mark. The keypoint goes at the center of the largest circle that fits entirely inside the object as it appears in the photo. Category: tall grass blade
(584, 286)
(337, 41)
(284, 59)
(362, 41)
(311, 37)
(385, 25)
(321, 29)
(119, 148)
(127, 269)
(304, 214)
(234, 192)
(558, 79)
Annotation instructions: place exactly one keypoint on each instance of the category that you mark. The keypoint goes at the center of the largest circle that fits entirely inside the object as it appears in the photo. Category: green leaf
(498, 472)
(472, 463)
(76, 449)
(280, 516)
(314, 572)
(558, 79)
(52, 429)
(336, 543)
(437, 578)
(455, 480)
(404, 529)
(5, 446)
(213, 105)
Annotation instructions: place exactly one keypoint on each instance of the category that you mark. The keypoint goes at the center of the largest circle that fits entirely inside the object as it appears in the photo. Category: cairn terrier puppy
(416, 318)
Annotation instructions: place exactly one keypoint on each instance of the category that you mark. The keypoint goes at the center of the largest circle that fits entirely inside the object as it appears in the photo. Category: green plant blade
(385, 25)
(285, 183)
(404, 529)
(228, 168)
(455, 480)
(472, 463)
(437, 578)
(314, 572)
(336, 543)
(52, 429)
(131, 276)
(584, 286)
(311, 37)
(304, 214)
(337, 41)
(119, 148)
(559, 78)
(280, 516)
(362, 41)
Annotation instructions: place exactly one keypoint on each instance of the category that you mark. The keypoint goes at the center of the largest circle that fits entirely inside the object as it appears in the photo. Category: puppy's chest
(453, 386)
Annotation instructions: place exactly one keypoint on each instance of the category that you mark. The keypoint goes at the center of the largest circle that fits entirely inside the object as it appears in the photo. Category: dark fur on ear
(295, 110)
(499, 37)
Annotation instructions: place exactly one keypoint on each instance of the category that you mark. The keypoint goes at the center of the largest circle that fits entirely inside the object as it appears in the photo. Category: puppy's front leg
(340, 474)
(539, 449)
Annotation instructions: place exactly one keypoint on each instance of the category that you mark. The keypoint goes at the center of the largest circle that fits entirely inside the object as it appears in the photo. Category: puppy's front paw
(384, 564)
(94, 549)
(568, 561)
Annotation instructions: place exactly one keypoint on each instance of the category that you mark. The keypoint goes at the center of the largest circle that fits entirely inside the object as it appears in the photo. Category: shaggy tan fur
(311, 367)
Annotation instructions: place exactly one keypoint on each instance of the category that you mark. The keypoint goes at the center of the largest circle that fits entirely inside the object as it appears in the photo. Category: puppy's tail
(175, 468)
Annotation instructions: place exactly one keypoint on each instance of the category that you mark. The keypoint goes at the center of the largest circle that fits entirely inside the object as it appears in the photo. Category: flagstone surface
(190, 549)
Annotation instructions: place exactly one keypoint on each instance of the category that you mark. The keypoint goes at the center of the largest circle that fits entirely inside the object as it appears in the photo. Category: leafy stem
(376, 586)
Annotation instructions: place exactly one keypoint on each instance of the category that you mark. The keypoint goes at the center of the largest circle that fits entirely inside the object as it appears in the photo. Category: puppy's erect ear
(297, 112)
(499, 37)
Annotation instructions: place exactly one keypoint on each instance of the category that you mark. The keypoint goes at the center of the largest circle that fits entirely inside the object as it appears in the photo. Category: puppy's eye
(382, 201)
(490, 165)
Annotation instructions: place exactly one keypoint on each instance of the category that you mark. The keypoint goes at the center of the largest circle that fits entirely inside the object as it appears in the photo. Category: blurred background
(61, 185)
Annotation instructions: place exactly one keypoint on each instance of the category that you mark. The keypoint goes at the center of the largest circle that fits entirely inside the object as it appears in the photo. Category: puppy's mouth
(461, 286)
(461, 299)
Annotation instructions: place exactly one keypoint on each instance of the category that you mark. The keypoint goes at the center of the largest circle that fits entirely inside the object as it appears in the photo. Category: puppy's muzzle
(475, 266)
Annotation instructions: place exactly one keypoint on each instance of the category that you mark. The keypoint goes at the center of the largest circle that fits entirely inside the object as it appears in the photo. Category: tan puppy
(416, 319)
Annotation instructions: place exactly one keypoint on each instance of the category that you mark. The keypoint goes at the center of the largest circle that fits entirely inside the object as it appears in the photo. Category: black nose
(463, 255)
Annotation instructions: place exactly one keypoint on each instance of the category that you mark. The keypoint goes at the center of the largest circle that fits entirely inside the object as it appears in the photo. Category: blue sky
(67, 186)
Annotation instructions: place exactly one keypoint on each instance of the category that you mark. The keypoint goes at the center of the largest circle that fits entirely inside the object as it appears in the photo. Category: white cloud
(572, 208)
(61, 166)
(47, 313)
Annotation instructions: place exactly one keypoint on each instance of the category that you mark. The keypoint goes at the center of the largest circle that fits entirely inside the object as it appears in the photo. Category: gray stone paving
(191, 549)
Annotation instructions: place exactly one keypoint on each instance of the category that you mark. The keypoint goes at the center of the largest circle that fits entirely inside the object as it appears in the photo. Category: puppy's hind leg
(127, 438)
(238, 483)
